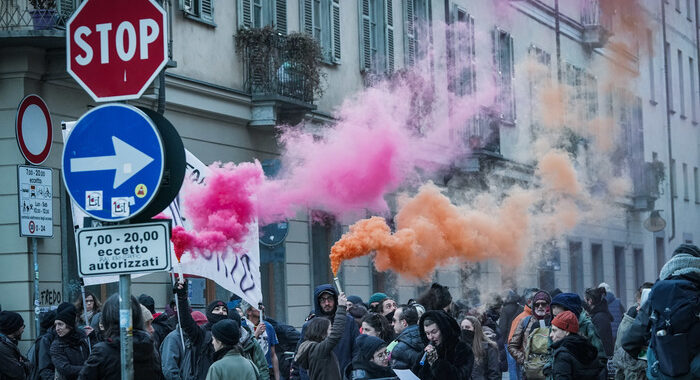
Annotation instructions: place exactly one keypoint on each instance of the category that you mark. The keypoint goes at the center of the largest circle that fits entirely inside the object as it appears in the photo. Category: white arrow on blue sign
(113, 162)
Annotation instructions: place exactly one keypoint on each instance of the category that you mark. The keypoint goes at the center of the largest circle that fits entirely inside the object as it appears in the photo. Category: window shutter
(389, 35)
(207, 11)
(65, 8)
(410, 33)
(511, 85)
(307, 20)
(245, 8)
(335, 27)
(281, 16)
(365, 37)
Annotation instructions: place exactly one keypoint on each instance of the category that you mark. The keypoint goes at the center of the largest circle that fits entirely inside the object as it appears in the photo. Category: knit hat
(68, 316)
(689, 249)
(355, 299)
(199, 317)
(148, 302)
(10, 322)
(377, 297)
(367, 345)
(569, 301)
(567, 321)
(541, 296)
(213, 318)
(46, 319)
(63, 306)
(147, 315)
(226, 332)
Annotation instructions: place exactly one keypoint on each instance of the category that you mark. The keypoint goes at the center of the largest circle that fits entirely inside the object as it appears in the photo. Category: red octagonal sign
(116, 48)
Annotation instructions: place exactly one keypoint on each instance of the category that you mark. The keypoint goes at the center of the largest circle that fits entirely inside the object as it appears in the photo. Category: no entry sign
(33, 127)
(116, 48)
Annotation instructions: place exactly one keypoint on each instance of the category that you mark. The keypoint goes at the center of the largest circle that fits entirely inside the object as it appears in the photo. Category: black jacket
(602, 320)
(408, 350)
(161, 329)
(455, 358)
(12, 364)
(69, 353)
(105, 362)
(574, 357)
(45, 367)
(509, 311)
(489, 367)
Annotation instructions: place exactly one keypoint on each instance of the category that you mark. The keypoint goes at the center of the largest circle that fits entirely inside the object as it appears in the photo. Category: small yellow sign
(141, 190)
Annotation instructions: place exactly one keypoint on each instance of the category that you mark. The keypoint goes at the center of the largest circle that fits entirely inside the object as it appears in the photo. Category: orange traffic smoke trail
(431, 231)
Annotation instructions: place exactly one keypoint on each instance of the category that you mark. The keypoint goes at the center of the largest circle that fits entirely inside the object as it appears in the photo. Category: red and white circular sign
(33, 128)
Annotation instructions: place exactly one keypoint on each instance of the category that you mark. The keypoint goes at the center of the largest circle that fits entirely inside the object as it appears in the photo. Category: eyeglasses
(540, 304)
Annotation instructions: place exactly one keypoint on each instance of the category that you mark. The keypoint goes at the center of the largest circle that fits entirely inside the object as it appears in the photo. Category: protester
(316, 353)
(12, 364)
(92, 306)
(668, 323)
(44, 365)
(601, 317)
(266, 337)
(408, 347)
(530, 340)
(176, 362)
(375, 302)
(161, 327)
(574, 357)
(438, 297)
(357, 312)
(355, 300)
(617, 310)
(572, 302)
(326, 297)
(71, 348)
(228, 362)
(628, 367)
(446, 356)
(371, 360)
(509, 310)
(148, 324)
(375, 324)
(104, 363)
(485, 350)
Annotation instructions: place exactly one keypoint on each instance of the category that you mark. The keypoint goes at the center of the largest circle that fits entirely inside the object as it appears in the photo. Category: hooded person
(572, 302)
(438, 297)
(446, 356)
(573, 356)
(617, 310)
(71, 348)
(12, 364)
(530, 340)
(200, 338)
(227, 356)
(509, 310)
(44, 365)
(371, 360)
(326, 304)
(601, 317)
(355, 300)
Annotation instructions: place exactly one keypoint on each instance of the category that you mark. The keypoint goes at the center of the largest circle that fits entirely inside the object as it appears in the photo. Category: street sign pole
(125, 327)
(35, 256)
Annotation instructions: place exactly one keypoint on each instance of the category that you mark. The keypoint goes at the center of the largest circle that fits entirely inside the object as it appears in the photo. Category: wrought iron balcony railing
(20, 15)
(597, 20)
(481, 134)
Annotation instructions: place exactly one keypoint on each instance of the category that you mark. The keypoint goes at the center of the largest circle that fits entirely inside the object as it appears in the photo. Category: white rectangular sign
(35, 201)
(122, 249)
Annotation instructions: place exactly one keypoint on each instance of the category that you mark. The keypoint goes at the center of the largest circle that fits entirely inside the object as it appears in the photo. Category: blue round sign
(113, 162)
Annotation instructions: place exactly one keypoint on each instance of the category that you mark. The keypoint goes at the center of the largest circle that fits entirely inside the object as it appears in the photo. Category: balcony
(281, 84)
(21, 24)
(596, 19)
(646, 179)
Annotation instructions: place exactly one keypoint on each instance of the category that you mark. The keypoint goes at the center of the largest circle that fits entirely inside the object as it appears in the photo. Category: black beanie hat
(10, 322)
(47, 319)
(148, 302)
(227, 332)
(214, 318)
(63, 306)
(68, 316)
(689, 249)
(367, 345)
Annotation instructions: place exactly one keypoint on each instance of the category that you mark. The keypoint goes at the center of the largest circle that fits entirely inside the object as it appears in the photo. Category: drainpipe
(557, 32)
(671, 176)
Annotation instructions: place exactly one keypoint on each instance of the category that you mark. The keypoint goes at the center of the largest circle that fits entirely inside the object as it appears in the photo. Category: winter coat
(45, 367)
(518, 344)
(628, 368)
(344, 350)
(455, 358)
(177, 364)
(516, 321)
(408, 350)
(161, 329)
(602, 320)
(362, 367)
(509, 311)
(319, 358)
(105, 361)
(69, 353)
(232, 365)
(587, 329)
(12, 364)
(616, 310)
(575, 358)
(488, 368)
(251, 350)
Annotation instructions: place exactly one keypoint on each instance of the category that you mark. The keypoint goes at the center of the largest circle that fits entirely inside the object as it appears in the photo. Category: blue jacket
(344, 350)
(616, 310)
(408, 350)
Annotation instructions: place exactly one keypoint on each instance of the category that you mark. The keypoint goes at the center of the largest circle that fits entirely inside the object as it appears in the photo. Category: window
(575, 266)
(503, 57)
(696, 184)
(200, 10)
(693, 90)
(583, 97)
(672, 179)
(321, 19)
(681, 84)
(669, 73)
(685, 182)
(660, 254)
(260, 13)
(377, 36)
(620, 275)
(417, 34)
(638, 266)
(650, 57)
(462, 53)
(597, 263)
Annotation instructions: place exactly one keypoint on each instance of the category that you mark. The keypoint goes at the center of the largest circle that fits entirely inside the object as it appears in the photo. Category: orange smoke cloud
(431, 231)
(557, 172)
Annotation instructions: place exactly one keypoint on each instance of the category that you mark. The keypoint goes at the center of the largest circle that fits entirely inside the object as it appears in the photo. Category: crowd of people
(536, 335)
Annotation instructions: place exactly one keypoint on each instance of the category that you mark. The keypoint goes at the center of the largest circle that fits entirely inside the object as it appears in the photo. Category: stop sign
(116, 48)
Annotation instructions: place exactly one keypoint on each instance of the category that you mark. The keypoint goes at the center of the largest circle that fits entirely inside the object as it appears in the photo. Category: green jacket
(232, 364)
(586, 329)
(252, 351)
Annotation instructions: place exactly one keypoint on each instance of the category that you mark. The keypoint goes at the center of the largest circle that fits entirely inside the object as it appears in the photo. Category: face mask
(213, 318)
(468, 337)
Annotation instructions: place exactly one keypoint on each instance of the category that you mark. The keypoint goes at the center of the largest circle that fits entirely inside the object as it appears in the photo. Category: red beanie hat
(567, 321)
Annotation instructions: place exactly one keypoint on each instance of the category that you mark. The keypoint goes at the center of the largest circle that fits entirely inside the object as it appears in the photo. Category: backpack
(675, 326)
(33, 359)
(536, 351)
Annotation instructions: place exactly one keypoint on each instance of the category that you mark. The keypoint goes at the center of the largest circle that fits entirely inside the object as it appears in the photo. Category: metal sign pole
(126, 327)
(35, 255)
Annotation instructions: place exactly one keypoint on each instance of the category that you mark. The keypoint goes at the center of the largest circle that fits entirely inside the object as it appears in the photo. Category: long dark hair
(317, 329)
(110, 315)
(479, 339)
(79, 304)
(381, 324)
